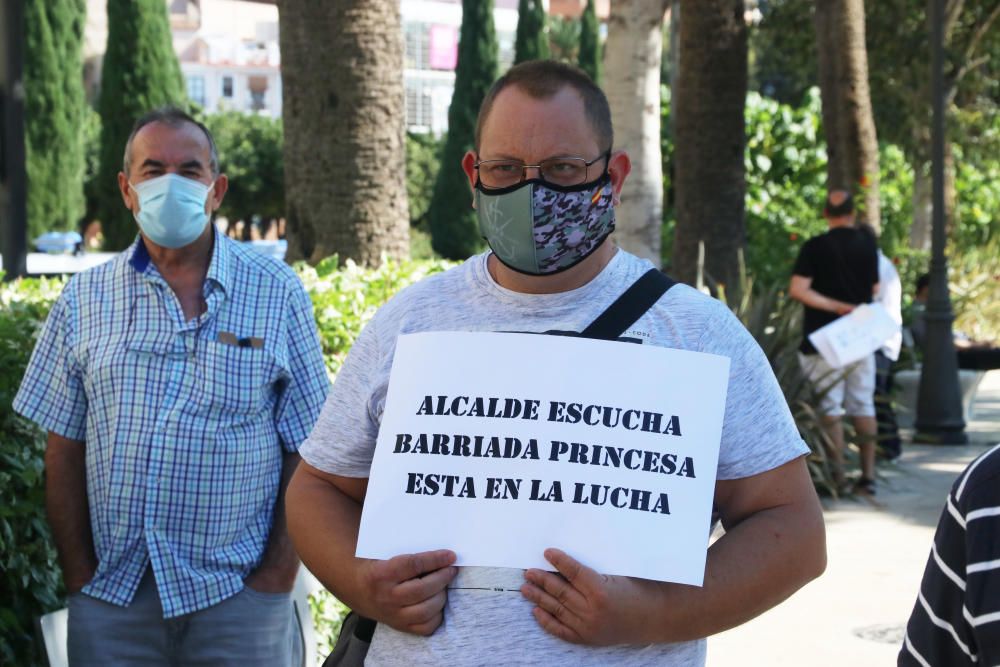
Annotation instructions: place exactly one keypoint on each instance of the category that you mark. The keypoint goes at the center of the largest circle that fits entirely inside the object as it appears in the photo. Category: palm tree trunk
(710, 141)
(632, 82)
(342, 76)
(852, 146)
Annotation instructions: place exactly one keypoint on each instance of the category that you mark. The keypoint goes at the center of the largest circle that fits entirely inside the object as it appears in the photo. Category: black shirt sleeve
(805, 263)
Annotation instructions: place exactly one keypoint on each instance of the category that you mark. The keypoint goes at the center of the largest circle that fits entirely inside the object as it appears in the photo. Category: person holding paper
(545, 179)
(835, 272)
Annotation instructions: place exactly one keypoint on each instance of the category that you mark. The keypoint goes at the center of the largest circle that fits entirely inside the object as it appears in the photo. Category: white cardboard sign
(500, 445)
(855, 335)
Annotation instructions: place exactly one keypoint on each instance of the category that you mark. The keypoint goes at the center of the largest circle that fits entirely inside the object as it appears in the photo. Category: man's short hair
(173, 117)
(844, 208)
(542, 79)
(923, 281)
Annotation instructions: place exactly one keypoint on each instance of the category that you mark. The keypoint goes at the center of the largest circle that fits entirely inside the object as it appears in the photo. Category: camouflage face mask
(538, 229)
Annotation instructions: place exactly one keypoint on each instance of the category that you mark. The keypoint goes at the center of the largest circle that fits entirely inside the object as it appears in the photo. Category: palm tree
(848, 123)
(632, 83)
(709, 142)
(343, 109)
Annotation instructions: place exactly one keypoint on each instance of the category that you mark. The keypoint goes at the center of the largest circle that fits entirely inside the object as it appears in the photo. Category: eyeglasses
(561, 171)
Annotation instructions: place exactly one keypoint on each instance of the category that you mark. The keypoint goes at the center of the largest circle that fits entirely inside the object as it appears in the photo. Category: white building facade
(230, 58)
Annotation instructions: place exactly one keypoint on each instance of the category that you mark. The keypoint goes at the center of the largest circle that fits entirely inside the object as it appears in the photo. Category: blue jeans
(250, 628)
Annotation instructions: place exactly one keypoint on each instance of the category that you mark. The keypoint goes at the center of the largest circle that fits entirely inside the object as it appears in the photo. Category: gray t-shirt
(486, 620)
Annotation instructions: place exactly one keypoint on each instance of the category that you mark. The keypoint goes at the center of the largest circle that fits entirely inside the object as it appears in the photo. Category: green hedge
(30, 581)
(30, 584)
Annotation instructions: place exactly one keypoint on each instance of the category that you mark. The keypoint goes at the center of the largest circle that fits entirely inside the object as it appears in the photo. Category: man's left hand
(268, 580)
(580, 605)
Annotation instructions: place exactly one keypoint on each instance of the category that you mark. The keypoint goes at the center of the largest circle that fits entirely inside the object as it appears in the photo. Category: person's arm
(774, 544)
(801, 289)
(280, 564)
(68, 510)
(407, 592)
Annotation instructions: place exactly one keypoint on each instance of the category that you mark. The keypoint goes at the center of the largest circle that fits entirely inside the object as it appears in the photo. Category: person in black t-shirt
(835, 272)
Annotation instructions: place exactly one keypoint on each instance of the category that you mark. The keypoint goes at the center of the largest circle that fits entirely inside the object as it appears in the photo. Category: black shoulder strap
(630, 306)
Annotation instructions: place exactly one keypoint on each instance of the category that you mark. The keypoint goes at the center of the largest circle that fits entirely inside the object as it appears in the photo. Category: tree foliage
(250, 155)
(30, 581)
(783, 51)
(422, 153)
(140, 73)
(531, 41)
(564, 39)
(54, 113)
(899, 42)
(454, 231)
(589, 57)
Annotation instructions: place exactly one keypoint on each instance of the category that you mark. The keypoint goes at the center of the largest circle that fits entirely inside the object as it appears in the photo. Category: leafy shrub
(974, 284)
(30, 581)
(344, 299)
(328, 615)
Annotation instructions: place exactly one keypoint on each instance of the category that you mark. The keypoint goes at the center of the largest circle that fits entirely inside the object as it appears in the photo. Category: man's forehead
(169, 143)
(519, 123)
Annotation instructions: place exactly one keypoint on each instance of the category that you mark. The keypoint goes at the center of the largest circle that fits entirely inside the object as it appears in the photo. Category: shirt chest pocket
(233, 382)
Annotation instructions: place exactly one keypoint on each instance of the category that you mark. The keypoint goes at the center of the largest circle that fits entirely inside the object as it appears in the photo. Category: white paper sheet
(540, 493)
(855, 335)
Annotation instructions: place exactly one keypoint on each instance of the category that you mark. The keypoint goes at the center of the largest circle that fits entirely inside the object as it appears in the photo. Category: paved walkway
(855, 613)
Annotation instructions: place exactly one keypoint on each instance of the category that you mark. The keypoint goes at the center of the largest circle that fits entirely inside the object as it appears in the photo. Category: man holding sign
(545, 182)
(835, 272)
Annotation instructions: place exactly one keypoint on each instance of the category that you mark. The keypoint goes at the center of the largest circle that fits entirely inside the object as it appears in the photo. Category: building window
(196, 89)
(258, 92)
(419, 110)
(227, 87)
(417, 55)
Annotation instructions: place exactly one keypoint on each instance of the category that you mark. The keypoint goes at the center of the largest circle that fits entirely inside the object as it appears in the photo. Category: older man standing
(545, 180)
(176, 383)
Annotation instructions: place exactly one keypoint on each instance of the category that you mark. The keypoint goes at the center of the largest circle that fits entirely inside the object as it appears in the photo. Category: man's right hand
(842, 308)
(408, 592)
(75, 584)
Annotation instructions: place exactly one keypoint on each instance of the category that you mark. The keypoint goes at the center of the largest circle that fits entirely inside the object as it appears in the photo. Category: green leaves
(345, 299)
(30, 583)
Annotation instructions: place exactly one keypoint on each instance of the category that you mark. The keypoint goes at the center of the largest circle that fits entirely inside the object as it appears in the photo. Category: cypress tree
(454, 230)
(140, 73)
(531, 42)
(589, 57)
(54, 108)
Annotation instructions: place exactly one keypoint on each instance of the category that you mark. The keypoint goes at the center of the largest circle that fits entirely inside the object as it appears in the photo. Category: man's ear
(619, 167)
(128, 194)
(469, 167)
(219, 189)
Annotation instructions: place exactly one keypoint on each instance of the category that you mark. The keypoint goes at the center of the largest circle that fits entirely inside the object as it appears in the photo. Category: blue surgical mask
(172, 209)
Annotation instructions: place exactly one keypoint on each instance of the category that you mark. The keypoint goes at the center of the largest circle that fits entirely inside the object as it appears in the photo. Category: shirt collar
(218, 266)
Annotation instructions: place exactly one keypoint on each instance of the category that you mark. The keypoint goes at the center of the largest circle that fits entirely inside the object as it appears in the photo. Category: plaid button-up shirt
(183, 425)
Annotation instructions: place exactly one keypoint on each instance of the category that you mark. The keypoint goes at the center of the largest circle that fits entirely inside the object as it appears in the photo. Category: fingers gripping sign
(580, 605)
(409, 591)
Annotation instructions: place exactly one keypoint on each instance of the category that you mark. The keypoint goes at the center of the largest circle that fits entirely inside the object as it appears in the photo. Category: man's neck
(564, 281)
(840, 223)
(186, 264)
